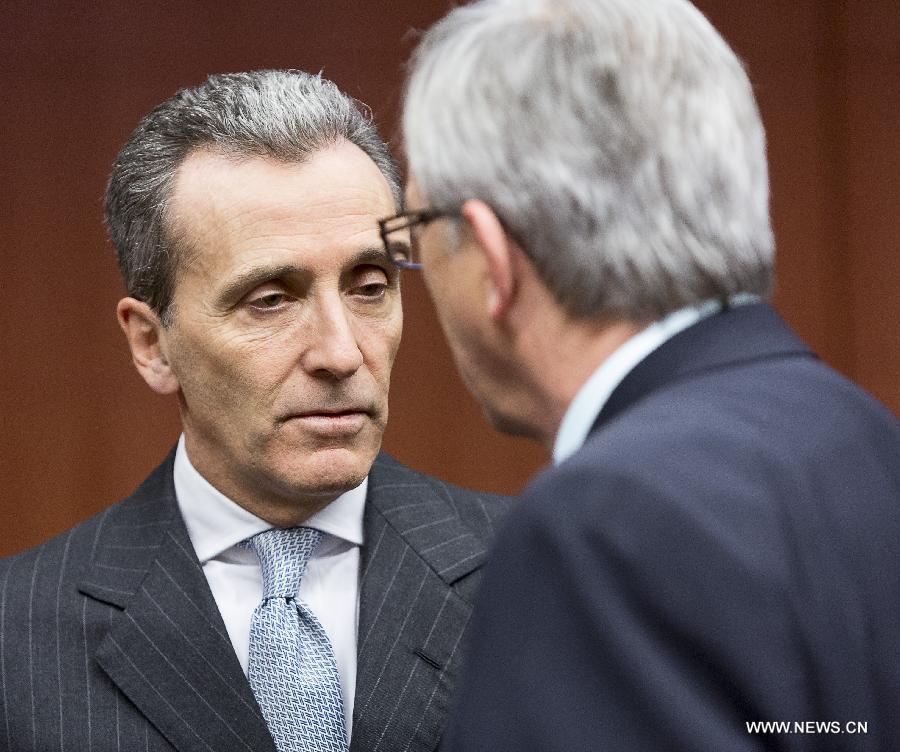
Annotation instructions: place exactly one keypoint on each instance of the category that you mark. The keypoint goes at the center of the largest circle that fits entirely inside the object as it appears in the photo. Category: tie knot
(283, 554)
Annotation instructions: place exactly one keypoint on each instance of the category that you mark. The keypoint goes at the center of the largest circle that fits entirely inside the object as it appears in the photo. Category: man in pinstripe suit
(243, 213)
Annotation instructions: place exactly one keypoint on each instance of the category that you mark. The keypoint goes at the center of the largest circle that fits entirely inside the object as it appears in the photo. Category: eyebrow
(258, 275)
(370, 256)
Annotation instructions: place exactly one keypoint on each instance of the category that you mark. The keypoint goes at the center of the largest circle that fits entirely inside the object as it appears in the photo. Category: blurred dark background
(80, 429)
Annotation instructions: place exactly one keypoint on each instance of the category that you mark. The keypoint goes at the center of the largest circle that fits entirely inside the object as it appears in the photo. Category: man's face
(457, 278)
(286, 320)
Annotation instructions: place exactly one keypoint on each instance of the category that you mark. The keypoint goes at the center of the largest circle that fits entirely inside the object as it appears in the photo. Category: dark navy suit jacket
(724, 549)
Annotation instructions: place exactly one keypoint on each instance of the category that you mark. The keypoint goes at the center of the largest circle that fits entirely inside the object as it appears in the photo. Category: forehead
(238, 211)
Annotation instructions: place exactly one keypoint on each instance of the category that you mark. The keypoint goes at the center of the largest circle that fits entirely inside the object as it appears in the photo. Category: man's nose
(332, 345)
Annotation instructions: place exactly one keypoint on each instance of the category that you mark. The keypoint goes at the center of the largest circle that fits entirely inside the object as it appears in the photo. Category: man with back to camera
(244, 216)
(716, 543)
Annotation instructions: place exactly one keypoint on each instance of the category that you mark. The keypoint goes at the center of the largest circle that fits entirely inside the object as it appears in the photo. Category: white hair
(617, 140)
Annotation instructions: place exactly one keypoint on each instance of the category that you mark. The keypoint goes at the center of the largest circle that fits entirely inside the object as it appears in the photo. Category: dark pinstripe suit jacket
(110, 638)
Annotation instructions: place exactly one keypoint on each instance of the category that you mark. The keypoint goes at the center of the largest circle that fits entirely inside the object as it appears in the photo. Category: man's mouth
(342, 420)
(333, 412)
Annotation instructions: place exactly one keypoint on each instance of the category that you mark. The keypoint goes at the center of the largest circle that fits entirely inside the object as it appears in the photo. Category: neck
(557, 355)
(282, 504)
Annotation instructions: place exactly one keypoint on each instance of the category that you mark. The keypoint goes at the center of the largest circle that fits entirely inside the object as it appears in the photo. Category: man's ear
(146, 338)
(498, 249)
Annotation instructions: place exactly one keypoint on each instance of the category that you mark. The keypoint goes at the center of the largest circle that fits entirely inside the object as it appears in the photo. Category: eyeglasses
(398, 233)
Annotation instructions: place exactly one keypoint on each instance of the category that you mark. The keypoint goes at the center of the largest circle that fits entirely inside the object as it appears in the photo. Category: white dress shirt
(593, 395)
(330, 585)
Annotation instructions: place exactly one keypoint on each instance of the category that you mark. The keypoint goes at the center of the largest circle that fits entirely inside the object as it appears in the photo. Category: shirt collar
(215, 523)
(590, 399)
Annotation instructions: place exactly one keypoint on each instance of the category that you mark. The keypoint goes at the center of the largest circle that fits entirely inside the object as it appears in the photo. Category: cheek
(453, 292)
(379, 342)
(453, 313)
(231, 370)
(393, 336)
(433, 280)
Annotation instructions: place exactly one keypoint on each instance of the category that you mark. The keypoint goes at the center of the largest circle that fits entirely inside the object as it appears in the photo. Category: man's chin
(510, 424)
(331, 470)
(286, 494)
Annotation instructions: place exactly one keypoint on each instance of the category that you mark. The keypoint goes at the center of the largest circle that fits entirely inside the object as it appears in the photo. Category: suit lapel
(167, 649)
(411, 621)
(736, 335)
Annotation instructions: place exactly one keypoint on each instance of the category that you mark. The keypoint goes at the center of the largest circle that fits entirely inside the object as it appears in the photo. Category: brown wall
(80, 429)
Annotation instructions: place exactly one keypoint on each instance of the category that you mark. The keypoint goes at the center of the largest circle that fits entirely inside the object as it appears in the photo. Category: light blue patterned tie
(292, 668)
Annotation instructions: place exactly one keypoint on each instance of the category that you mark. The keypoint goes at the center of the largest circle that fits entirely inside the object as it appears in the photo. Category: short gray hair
(617, 140)
(287, 115)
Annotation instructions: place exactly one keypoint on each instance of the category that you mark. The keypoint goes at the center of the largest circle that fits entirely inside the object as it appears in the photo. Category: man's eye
(272, 300)
(372, 290)
(371, 282)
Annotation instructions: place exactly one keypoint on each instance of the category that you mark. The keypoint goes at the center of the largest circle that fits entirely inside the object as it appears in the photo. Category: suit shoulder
(61, 546)
(472, 506)
(155, 486)
(748, 470)
(52, 569)
(77, 545)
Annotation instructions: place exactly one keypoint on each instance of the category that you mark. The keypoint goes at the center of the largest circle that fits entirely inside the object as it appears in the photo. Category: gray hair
(286, 115)
(617, 140)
